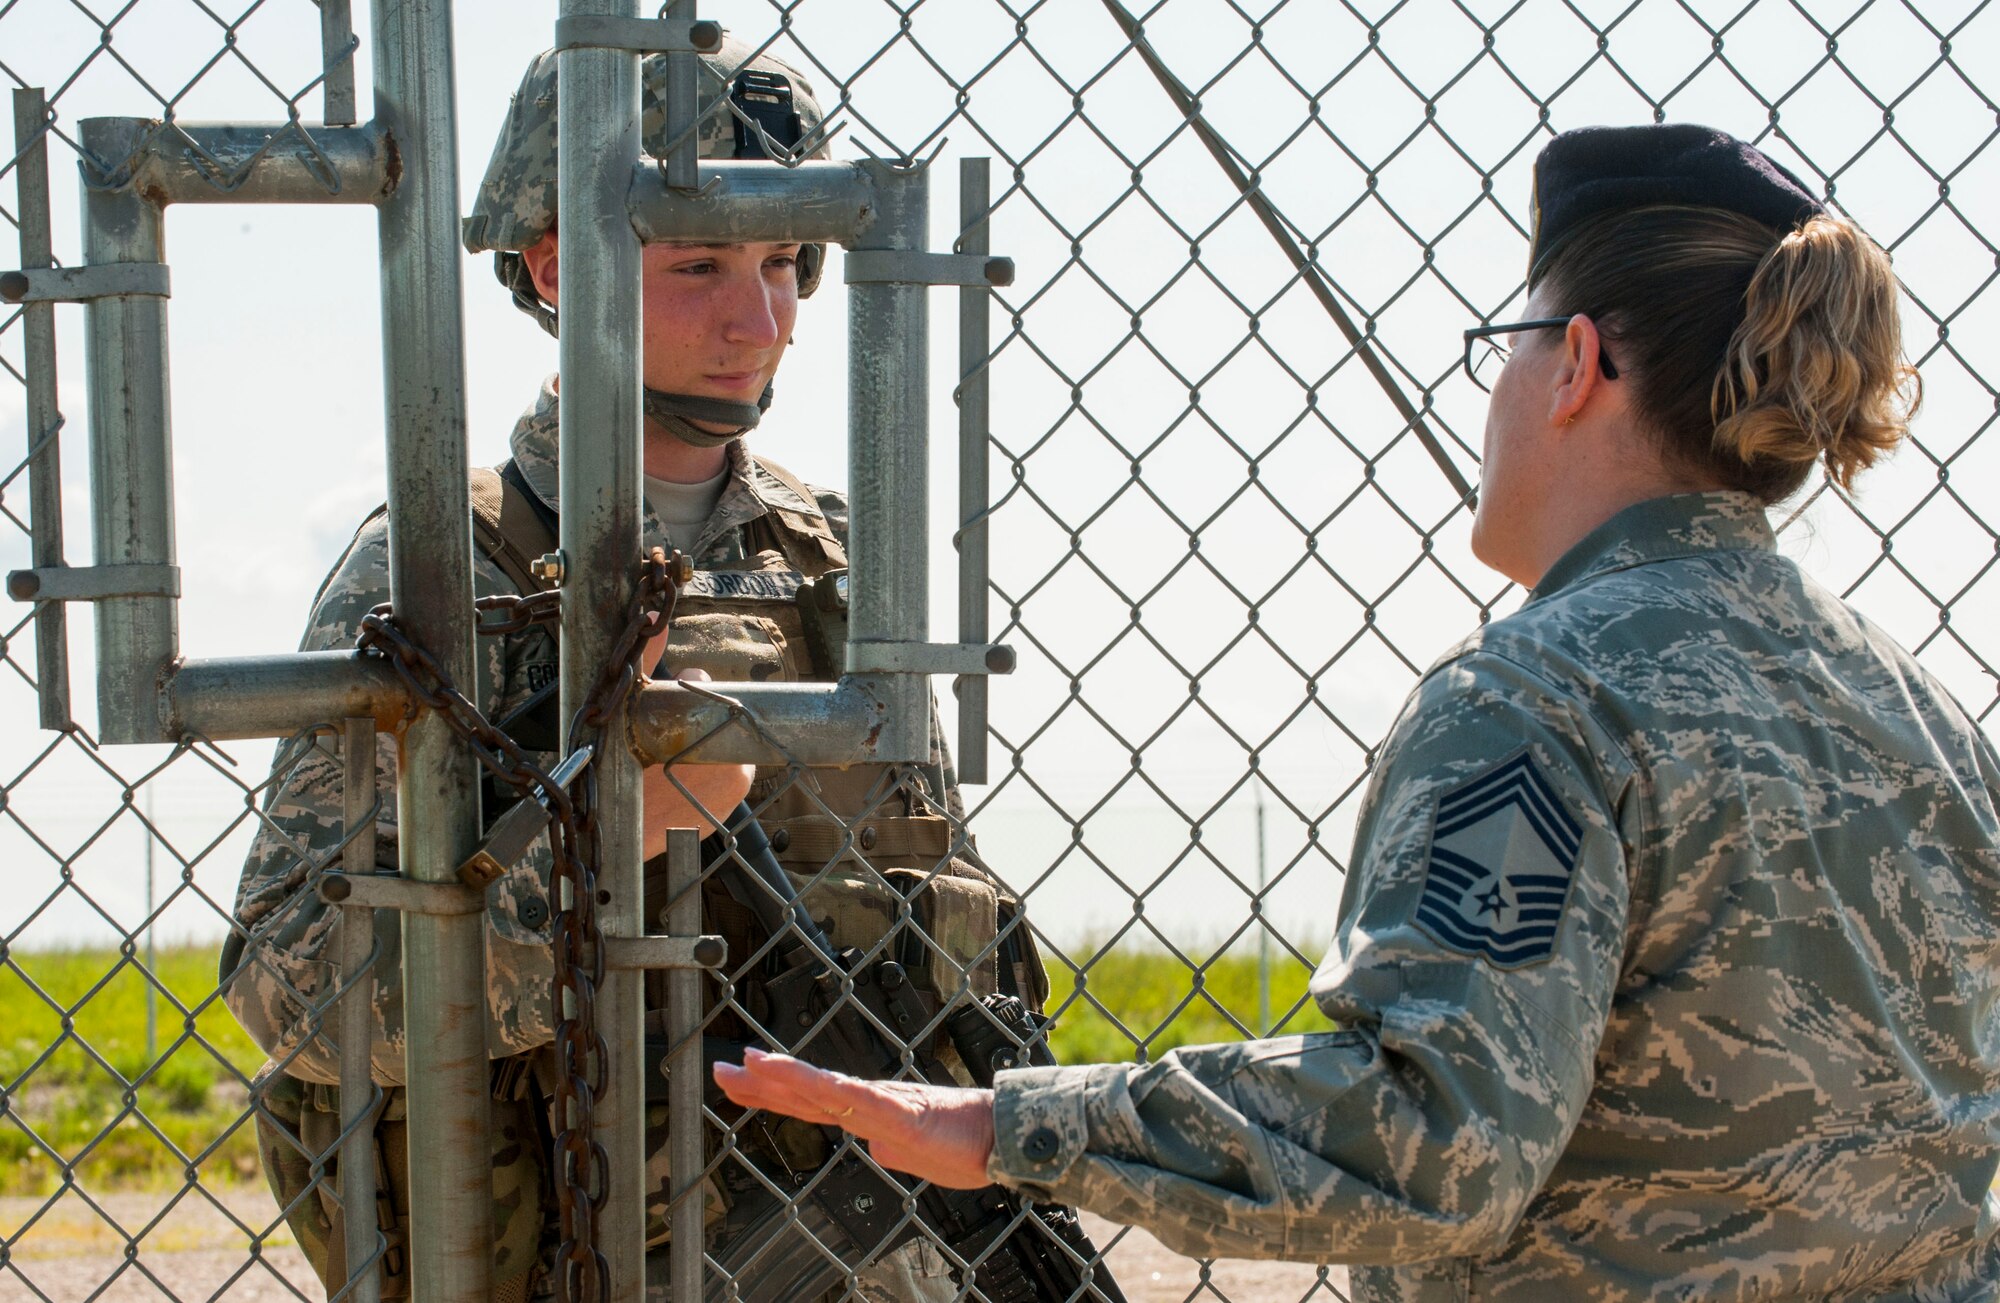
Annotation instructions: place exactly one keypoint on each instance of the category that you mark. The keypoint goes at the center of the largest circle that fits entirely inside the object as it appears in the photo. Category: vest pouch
(287, 1159)
(954, 908)
(740, 622)
(733, 648)
(715, 1201)
(301, 1120)
(1031, 975)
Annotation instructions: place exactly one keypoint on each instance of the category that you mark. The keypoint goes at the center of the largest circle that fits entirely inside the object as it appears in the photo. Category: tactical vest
(776, 615)
(773, 616)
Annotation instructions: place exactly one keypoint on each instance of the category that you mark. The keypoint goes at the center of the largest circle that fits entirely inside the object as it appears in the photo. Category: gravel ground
(186, 1248)
(189, 1249)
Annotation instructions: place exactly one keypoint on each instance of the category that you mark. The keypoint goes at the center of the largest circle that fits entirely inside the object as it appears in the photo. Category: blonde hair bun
(1816, 370)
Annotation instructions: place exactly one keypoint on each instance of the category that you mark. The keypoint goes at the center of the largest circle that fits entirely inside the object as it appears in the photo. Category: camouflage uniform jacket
(290, 951)
(1665, 970)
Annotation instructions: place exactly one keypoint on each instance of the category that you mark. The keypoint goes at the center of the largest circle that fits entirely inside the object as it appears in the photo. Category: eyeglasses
(1485, 354)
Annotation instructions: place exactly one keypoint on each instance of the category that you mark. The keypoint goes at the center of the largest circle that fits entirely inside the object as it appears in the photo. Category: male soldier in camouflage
(1666, 964)
(717, 319)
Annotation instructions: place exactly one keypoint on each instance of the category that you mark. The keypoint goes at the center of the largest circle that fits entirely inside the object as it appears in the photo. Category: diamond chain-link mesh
(1223, 551)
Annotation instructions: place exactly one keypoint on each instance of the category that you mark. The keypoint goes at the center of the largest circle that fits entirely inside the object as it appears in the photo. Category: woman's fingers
(942, 1134)
(782, 1084)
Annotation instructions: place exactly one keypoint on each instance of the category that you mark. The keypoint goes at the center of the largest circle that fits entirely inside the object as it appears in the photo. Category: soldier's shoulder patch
(1503, 851)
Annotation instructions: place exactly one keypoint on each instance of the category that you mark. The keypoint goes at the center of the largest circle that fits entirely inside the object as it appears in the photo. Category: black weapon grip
(750, 872)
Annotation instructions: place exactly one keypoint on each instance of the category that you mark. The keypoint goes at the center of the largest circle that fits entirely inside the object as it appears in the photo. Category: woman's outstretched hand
(942, 1134)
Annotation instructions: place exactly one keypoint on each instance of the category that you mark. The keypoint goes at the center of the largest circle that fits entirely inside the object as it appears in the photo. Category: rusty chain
(581, 1162)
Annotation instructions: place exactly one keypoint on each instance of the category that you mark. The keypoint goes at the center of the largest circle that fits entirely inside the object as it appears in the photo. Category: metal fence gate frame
(404, 162)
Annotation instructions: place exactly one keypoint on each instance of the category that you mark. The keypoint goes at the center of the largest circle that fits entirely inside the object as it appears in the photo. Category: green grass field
(79, 1082)
(80, 1088)
(1162, 1003)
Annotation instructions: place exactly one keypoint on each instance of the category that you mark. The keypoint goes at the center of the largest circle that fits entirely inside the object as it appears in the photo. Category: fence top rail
(175, 162)
(830, 203)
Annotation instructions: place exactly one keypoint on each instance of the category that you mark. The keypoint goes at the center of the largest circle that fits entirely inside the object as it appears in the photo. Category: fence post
(597, 150)
(888, 428)
(686, 1067)
(357, 1019)
(975, 302)
(444, 957)
(131, 444)
(38, 329)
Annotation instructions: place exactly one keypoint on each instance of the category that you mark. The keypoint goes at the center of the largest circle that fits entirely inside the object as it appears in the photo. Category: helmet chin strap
(676, 413)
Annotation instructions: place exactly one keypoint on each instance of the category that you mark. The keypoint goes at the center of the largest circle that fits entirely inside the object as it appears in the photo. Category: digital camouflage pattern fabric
(1754, 1056)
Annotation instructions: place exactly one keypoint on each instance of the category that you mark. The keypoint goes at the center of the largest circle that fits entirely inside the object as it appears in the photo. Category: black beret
(1593, 170)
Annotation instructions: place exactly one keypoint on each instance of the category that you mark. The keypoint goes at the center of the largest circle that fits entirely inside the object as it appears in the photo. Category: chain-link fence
(1225, 452)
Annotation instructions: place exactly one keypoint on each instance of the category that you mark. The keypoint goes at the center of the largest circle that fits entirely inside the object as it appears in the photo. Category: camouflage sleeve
(1471, 977)
(285, 932)
(303, 818)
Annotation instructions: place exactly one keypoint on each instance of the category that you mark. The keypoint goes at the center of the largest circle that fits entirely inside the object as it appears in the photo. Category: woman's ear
(543, 260)
(1577, 375)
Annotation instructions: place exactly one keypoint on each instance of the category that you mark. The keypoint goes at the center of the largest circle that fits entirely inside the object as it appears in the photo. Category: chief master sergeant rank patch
(1503, 851)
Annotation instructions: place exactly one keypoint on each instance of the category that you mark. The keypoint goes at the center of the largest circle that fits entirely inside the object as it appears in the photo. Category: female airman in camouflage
(1665, 967)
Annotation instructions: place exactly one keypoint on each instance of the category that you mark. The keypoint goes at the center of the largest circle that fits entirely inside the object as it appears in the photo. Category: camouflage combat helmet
(746, 92)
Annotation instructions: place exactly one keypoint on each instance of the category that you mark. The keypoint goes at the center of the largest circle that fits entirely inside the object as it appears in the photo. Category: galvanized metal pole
(682, 165)
(687, 1152)
(255, 163)
(152, 967)
(38, 342)
(357, 1019)
(844, 723)
(444, 956)
(276, 696)
(596, 151)
(745, 201)
(888, 383)
(975, 189)
(336, 33)
(1263, 922)
(131, 452)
